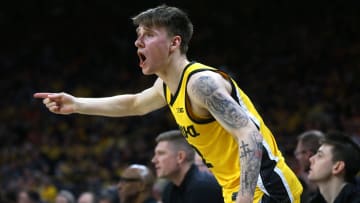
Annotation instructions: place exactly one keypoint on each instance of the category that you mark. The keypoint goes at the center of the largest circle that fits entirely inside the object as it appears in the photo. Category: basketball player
(214, 114)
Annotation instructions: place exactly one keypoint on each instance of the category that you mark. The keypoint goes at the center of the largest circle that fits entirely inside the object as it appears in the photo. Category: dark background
(298, 61)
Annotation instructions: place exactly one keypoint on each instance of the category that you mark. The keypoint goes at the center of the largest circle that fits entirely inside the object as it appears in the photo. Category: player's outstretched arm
(114, 106)
(211, 92)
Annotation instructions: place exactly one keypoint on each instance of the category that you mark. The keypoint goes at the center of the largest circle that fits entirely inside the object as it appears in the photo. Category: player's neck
(172, 74)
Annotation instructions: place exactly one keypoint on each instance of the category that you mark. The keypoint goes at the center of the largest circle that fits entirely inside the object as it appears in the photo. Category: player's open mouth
(142, 58)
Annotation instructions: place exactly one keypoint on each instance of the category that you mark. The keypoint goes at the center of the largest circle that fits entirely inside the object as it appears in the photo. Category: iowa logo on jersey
(187, 131)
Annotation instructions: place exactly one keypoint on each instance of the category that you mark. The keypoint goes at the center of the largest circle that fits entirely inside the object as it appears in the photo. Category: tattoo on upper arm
(250, 158)
(207, 90)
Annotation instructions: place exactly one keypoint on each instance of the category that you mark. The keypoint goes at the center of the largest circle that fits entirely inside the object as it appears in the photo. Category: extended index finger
(42, 95)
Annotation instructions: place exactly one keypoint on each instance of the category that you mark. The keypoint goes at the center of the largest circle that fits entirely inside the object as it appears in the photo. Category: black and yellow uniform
(220, 151)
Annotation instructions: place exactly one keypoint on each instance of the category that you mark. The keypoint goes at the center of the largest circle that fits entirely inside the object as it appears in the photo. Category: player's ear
(175, 43)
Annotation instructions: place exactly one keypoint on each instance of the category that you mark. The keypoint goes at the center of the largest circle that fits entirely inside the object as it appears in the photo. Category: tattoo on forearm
(245, 151)
(227, 110)
(245, 180)
(250, 158)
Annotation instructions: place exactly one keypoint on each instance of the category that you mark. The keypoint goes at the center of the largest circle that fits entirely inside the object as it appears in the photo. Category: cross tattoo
(245, 150)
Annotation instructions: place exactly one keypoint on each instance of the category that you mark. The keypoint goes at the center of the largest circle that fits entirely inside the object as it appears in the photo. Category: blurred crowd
(299, 63)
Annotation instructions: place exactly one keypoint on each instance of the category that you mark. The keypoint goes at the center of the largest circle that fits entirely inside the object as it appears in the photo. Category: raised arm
(116, 106)
(210, 92)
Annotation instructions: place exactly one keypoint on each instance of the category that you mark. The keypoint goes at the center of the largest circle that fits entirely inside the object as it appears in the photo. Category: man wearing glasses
(135, 185)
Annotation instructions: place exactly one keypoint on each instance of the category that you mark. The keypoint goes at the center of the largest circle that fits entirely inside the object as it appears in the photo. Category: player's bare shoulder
(203, 84)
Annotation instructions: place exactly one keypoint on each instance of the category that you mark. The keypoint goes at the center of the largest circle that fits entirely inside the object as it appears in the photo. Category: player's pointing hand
(59, 103)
